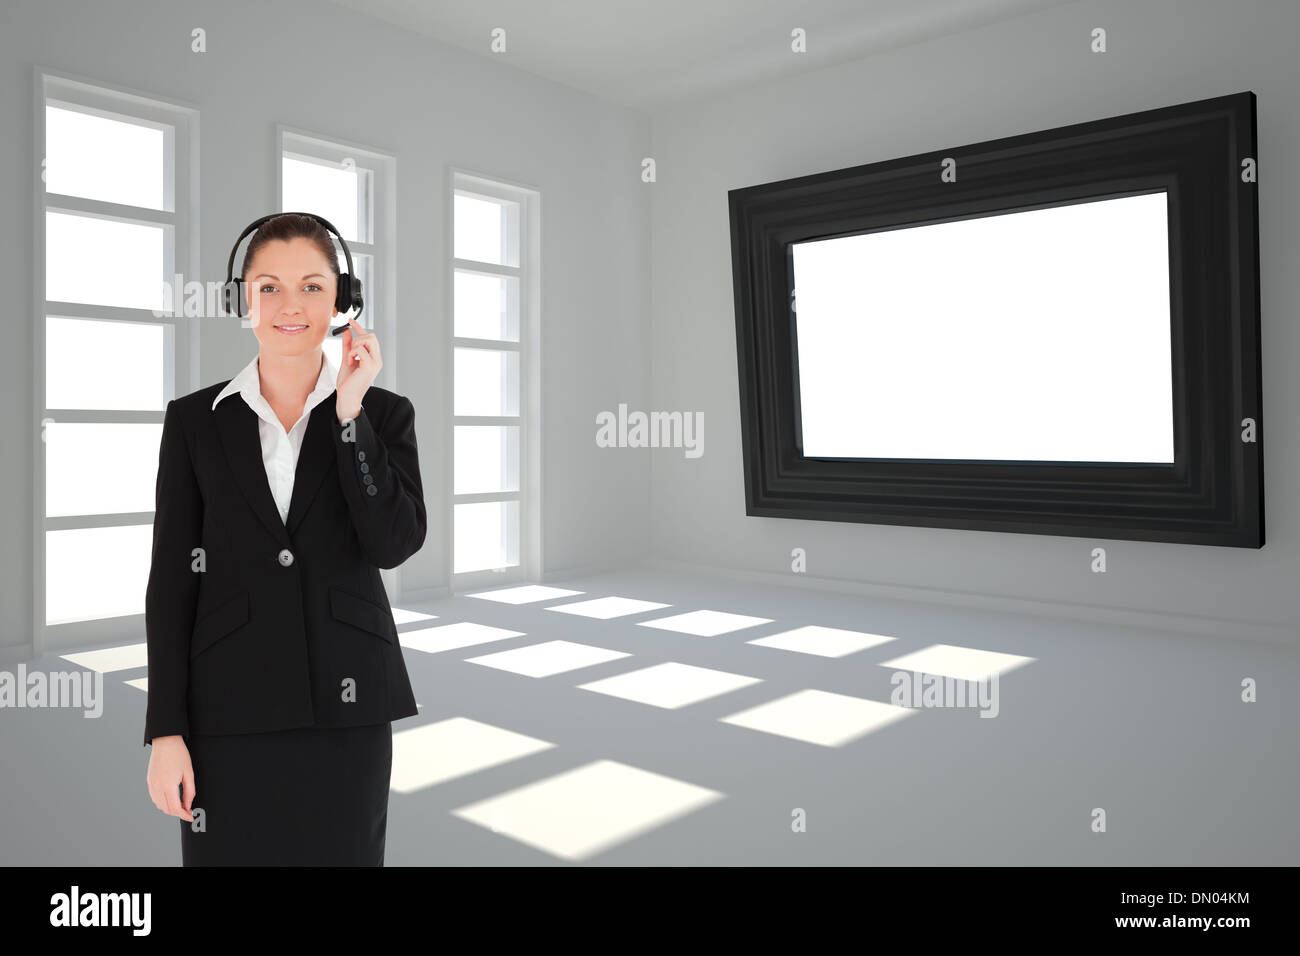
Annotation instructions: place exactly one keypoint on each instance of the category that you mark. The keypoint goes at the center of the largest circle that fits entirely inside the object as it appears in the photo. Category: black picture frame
(1204, 155)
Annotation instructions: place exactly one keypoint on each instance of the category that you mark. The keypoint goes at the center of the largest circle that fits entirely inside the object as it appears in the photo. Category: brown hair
(292, 226)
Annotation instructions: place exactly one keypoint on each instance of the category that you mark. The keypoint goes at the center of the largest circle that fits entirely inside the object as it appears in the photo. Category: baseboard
(1219, 628)
(14, 653)
(592, 570)
(416, 595)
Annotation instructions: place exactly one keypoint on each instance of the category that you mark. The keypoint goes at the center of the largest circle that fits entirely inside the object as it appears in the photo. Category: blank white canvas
(1038, 336)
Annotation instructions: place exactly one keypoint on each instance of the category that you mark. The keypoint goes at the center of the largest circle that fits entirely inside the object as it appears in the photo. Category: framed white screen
(1039, 335)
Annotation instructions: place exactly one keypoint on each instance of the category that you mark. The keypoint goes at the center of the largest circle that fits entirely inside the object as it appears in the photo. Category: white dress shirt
(279, 448)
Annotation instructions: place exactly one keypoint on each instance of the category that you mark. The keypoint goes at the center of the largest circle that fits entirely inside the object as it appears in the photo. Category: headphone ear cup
(232, 297)
(354, 287)
(343, 295)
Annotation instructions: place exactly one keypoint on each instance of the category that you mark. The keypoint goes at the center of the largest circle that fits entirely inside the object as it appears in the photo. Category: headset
(347, 297)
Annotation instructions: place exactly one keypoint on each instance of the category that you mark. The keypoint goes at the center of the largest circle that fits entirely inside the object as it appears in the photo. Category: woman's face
(290, 284)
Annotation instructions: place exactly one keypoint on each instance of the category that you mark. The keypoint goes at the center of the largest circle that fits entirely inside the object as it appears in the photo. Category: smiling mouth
(291, 328)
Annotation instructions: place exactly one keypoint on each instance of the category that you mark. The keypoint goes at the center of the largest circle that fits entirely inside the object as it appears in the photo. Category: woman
(274, 665)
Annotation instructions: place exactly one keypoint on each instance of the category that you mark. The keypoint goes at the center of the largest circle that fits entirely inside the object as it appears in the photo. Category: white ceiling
(649, 54)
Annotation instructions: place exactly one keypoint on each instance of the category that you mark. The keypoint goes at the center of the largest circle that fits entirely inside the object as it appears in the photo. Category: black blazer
(272, 625)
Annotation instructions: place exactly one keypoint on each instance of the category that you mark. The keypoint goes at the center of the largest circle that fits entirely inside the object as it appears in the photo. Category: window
(352, 188)
(342, 183)
(115, 231)
(494, 307)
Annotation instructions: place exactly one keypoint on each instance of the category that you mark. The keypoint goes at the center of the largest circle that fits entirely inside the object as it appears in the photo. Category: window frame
(528, 273)
(376, 220)
(180, 221)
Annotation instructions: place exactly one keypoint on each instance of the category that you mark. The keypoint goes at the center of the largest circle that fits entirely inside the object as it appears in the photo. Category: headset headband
(348, 295)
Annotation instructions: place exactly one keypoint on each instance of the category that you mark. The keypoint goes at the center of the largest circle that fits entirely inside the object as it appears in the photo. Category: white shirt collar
(249, 384)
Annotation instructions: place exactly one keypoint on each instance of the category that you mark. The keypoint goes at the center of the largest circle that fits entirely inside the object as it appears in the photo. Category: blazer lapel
(315, 459)
(237, 426)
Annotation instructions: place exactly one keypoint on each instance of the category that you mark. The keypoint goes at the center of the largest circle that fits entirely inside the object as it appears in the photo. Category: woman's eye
(313, 285)
(266, 288)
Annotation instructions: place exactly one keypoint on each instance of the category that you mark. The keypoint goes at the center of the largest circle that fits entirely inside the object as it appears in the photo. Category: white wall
(329, 70)
(636, 279)
(1016, 76)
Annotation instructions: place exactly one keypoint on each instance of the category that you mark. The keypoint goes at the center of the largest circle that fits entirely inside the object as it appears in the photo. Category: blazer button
(361, 456)
(286, 557)
(365, 469)
(367, 479)
(371, 490)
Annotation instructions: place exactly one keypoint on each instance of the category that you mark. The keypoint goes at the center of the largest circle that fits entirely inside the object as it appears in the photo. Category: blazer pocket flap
(219, 622)
(363, 613)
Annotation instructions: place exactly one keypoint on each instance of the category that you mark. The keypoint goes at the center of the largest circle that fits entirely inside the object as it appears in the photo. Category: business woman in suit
(274, 665)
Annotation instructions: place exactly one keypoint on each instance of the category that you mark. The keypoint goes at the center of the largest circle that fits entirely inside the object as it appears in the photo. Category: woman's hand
(361, 363)
(169, 767)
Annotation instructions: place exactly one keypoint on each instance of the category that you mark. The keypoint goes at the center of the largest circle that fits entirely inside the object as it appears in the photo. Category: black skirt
(303, 797)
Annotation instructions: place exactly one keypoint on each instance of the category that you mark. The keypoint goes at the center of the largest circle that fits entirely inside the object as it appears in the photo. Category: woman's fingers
(173, 799)
(187, 782)
(365, 350)
(359, 334)
(166, 779)
(361, 347)
(369, 341)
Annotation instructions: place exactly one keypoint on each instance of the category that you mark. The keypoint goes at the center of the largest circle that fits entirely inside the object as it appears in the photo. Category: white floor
(650, 717)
